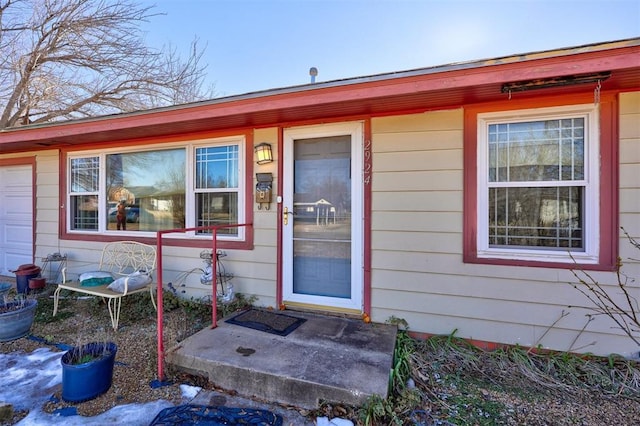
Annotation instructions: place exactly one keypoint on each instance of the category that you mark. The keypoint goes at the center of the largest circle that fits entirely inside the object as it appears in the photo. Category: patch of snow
(189, 392)
(336, 421)
(28, 381)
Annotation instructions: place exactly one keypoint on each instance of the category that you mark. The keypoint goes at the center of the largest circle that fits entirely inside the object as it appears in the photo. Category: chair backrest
(125, 257)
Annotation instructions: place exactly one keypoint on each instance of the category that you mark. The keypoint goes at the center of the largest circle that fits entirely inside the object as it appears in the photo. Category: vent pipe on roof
(313, 72)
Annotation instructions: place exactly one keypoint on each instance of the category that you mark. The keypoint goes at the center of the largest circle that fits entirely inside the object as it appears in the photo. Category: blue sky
(254, 45)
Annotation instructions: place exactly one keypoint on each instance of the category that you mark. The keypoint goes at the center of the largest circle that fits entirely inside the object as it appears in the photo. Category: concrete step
(327, 358)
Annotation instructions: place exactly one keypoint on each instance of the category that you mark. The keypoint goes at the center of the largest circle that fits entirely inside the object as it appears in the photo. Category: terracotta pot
(37, 283)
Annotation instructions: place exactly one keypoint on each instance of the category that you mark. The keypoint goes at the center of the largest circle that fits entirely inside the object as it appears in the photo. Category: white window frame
(191, 185)
(355, 131)
(190, 194)
(72, 194)
(591, 212)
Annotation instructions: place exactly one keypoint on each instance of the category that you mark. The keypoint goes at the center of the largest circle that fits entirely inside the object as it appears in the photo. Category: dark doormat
(269, 322)
(215, 416)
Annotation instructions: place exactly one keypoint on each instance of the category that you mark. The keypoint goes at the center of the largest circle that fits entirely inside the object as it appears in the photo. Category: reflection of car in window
(133, 215)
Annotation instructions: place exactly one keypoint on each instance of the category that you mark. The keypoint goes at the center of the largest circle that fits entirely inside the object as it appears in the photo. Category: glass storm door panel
(322, 260)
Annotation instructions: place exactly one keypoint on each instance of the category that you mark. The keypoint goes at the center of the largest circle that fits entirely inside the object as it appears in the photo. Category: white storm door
(322, 216)
(16, 217)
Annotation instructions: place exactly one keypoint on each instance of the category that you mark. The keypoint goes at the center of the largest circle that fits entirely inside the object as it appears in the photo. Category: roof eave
(255, 108)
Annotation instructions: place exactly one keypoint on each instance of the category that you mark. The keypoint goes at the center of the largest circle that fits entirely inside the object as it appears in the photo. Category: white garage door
(16, 218)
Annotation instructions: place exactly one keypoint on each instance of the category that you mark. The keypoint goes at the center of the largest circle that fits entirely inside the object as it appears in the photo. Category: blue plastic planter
(4, 289)
(82, 382)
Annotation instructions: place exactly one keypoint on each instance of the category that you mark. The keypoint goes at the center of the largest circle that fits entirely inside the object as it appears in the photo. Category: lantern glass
(263, 153)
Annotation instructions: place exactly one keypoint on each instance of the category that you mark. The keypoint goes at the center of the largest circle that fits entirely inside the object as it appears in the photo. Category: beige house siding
(630, 186)
(417, 268)
(255, 270)
(47, 204)
(630, 167)
(417, 242)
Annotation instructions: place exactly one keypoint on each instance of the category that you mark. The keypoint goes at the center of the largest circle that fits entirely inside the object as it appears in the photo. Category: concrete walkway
(327, 358)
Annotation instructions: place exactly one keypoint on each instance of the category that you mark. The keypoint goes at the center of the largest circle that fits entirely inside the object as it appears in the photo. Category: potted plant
(16, 317)
(87, 370)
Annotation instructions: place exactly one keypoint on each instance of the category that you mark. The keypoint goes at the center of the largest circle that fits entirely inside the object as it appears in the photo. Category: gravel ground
(135, 361)
(495, 394)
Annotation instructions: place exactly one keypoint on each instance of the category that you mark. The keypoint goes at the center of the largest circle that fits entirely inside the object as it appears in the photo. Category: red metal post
(214, 283)
(160, 312)
(214, 306)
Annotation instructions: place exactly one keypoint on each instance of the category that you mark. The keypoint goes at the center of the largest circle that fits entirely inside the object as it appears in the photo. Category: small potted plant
(87, 370)
(16, 317)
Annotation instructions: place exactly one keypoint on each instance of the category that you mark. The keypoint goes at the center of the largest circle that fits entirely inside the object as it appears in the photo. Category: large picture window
(153, 196)
(149, 189)
(538, 185)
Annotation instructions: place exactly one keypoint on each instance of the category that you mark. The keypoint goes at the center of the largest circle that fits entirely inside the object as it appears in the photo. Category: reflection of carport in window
(323, 211)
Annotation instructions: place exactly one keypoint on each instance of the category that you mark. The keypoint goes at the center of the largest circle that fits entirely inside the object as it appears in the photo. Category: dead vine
(624, 311)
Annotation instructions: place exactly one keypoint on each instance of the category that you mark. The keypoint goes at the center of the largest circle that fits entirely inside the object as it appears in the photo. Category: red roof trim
(489, 72)
(450, 86)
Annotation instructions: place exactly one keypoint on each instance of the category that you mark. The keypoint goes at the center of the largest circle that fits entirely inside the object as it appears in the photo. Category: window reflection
(546, 210)
(322, 220)
(147, 190)
(535, 151)
(84, 183)
(322, 188)
(84, 212)
(151, 185)
(536, 217)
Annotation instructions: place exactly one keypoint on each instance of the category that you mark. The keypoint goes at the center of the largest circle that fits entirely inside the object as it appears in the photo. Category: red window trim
(246, 244)
(609, 218)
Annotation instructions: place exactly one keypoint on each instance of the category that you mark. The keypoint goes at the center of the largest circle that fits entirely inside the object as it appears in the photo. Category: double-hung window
(216, 186)
(538, 185)
(141, 190)
(84, 184)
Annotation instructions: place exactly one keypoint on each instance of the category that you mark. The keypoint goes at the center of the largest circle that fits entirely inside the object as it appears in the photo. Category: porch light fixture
(544, 83)
(263, 152)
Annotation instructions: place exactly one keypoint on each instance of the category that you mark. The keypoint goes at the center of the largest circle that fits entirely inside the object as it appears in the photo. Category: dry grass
(452, 382)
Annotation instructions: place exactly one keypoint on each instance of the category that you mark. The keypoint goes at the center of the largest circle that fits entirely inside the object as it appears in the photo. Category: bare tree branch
(65, 59)
(623, 309)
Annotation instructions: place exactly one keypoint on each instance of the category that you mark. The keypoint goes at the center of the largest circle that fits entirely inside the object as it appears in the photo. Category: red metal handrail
(214, 306)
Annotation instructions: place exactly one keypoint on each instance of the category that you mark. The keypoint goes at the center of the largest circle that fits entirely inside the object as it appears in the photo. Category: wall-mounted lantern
(263, 153)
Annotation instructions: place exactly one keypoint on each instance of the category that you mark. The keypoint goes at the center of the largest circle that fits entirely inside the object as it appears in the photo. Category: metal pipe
(214, 280)
(160, 309)
(214, 306)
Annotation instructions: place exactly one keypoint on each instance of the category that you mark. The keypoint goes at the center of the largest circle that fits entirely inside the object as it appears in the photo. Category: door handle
(285, 215)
